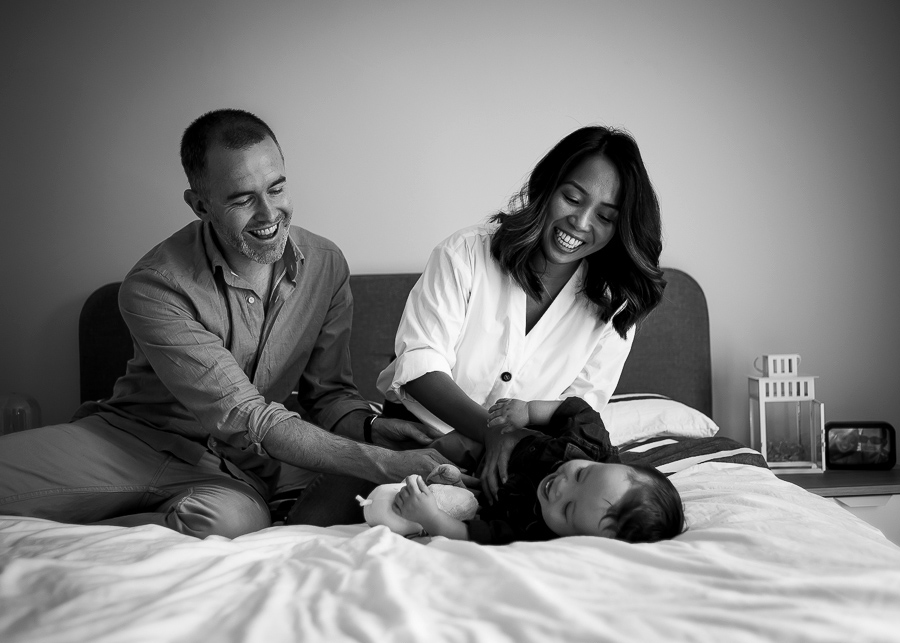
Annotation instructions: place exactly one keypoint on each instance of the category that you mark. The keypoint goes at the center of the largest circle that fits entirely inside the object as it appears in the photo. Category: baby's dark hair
(650, 510)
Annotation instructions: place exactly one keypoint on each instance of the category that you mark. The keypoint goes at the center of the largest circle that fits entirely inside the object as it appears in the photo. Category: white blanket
(762, 560)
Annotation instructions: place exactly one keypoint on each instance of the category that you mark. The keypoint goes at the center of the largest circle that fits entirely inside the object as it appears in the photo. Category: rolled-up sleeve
(432, 320)
(190, 365)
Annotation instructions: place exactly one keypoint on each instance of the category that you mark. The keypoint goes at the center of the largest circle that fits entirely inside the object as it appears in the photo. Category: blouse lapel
(555, 314)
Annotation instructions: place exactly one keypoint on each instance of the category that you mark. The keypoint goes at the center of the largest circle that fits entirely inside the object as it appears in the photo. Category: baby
(565, 479)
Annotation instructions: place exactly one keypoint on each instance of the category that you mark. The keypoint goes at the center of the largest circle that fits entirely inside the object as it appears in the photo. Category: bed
(761, 559)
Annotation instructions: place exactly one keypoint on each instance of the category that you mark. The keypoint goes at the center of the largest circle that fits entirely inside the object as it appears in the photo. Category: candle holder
(786, 421)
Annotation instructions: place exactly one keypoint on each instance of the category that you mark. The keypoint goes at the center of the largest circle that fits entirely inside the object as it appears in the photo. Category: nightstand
(873, 496)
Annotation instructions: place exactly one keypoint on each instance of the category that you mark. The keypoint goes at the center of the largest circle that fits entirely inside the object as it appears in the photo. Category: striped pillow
(671, 455)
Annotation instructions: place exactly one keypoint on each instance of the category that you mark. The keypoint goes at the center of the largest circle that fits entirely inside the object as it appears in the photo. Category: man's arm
(192, 363)
(390, 433)
(306, 445)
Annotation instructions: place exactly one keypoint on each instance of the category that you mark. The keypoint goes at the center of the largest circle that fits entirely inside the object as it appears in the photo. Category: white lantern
(786, 421)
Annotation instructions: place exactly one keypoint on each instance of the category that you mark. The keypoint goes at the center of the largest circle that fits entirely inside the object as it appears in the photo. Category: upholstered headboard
(670, 354)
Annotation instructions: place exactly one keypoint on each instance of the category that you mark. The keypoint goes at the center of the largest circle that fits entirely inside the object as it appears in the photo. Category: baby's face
(576, 497)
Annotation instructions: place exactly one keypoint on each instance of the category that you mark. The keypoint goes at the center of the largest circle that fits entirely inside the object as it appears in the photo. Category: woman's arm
(438, 393)
(517, 414)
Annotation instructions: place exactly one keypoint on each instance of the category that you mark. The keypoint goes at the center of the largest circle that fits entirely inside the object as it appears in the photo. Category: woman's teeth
(566, 241)
(265, 233)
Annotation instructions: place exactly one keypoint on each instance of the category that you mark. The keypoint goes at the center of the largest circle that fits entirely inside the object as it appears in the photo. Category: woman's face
(582, 212)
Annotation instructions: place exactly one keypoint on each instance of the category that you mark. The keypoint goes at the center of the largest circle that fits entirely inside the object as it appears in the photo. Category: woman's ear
(196, 203)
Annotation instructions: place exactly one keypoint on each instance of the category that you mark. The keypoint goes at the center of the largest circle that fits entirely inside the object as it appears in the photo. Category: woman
(538, 304)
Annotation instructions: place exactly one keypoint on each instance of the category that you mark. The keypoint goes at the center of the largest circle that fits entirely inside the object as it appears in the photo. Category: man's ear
(196, 203)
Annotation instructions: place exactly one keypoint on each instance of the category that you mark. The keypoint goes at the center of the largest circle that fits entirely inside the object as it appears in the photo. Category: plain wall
(770, 129)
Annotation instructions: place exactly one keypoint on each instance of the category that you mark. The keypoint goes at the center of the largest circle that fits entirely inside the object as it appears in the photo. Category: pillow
(641, 416)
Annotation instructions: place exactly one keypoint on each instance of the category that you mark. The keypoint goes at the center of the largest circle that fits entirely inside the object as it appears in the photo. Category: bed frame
(670, 355)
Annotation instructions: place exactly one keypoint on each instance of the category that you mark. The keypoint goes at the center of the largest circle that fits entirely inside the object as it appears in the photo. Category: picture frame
(863, 446)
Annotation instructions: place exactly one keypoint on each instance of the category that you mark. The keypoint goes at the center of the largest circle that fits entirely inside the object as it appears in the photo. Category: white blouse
(466, 317)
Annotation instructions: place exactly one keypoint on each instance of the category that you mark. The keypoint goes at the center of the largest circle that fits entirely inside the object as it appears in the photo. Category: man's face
(246, 200)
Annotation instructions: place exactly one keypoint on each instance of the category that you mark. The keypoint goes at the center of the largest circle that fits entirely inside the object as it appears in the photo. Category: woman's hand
(415, 501)
(396, 434)
(499, 445)
(508, 413)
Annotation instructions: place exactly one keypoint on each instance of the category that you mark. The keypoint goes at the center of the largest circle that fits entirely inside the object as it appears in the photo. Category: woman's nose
(580, 220)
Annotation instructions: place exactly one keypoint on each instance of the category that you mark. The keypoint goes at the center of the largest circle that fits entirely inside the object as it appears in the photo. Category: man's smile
(265, 234)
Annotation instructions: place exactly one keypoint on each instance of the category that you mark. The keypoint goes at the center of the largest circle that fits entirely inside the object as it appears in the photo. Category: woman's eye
(570, 199)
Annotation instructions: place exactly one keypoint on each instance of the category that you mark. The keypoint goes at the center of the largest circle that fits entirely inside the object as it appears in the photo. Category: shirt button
(506, 376)
(251, 300)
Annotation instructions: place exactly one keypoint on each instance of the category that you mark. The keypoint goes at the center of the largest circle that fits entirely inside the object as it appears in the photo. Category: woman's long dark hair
(627, 269)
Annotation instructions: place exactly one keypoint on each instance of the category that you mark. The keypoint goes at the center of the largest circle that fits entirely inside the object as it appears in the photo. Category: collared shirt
(466, 317)
(575, 432)
(214, 365)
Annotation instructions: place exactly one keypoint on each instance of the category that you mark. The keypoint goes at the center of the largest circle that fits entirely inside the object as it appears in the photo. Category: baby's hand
(415, 501)
(509, 414)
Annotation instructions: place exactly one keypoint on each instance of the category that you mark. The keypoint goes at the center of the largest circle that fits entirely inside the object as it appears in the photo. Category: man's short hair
(234, 129)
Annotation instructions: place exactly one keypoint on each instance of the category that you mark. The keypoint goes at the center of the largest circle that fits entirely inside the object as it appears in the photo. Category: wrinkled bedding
(762, 560)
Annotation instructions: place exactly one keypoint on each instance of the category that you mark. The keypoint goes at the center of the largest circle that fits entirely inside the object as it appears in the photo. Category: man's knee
(216, 511)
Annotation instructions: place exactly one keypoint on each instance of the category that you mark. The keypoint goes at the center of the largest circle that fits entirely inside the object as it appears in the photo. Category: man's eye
(277, 190)
(243, 202)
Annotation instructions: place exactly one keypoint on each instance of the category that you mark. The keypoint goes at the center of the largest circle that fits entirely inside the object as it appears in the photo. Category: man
(229, 315)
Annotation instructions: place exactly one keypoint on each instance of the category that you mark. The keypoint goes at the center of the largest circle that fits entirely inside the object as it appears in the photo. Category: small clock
(860, 445)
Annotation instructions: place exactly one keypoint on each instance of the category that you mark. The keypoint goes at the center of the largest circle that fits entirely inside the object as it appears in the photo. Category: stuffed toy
(445, 484)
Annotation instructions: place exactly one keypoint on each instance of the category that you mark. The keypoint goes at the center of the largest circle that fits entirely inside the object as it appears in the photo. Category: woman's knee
(216, 511)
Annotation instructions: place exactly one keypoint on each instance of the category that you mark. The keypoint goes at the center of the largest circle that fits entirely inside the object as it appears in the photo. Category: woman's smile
(566, 242)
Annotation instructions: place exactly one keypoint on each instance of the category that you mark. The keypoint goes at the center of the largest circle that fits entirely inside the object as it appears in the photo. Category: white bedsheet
(763, 560)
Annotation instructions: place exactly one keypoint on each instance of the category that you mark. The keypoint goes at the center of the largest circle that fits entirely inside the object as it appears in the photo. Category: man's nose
(265, 211)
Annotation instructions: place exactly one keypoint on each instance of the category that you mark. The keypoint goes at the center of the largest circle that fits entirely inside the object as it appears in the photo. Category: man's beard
(268, 256)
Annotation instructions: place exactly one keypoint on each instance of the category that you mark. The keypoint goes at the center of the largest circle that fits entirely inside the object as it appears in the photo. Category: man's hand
(422, 462)
(499, 445)
(415, 501)
(399, 435)
(509, 414)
